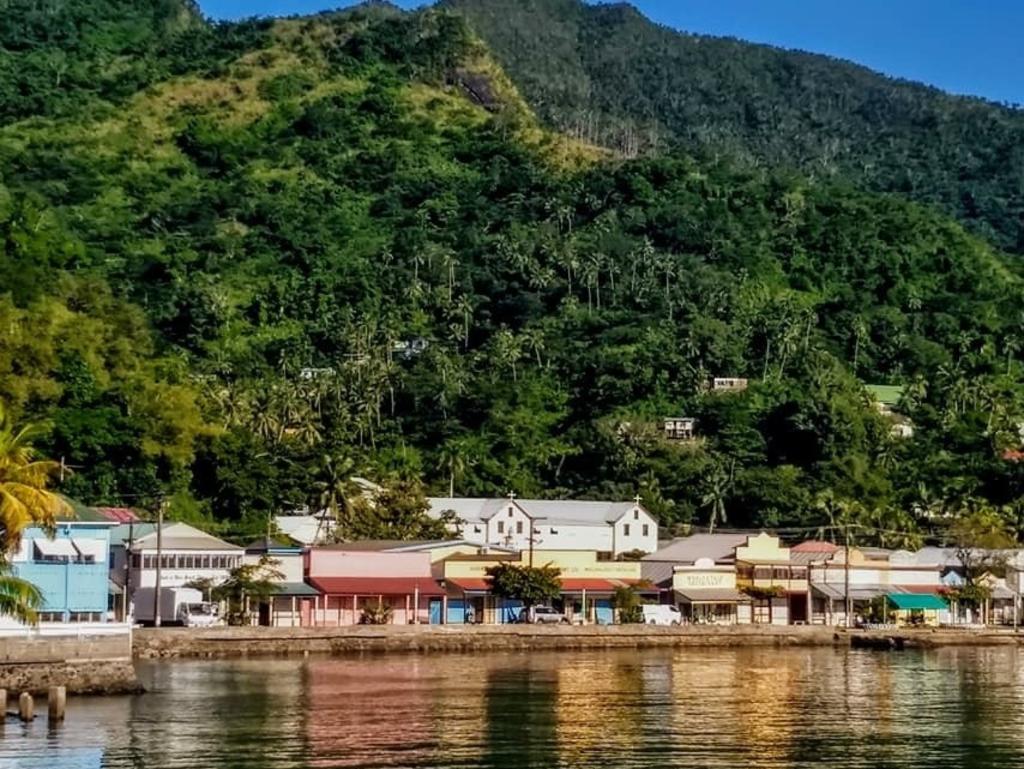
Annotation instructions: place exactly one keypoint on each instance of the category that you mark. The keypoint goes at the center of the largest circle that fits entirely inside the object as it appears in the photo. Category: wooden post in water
(26, 707)
(3, 705)
(56, 702)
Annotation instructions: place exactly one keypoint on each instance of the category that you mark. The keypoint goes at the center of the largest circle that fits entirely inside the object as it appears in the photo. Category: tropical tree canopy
(25, 499)
(530, 584)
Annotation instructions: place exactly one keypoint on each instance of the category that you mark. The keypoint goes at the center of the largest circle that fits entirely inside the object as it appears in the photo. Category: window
(206, 562)
(136, 560)
(519, 527)
(762, 572)
(646, 530)
(625, 530)
(553, 531)
(636, 515)
(501, 527)
(51, 616)
(476, 529)
(510, 512)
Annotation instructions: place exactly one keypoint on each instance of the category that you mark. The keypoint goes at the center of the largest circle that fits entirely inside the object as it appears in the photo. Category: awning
(917, 602)
(113, 588)
(56, 548)
(1000, 593)
(296, 589)
(592, 585)
(857, 592)
(91, 548)
(376, 585)
(712, 595)
(469, 584)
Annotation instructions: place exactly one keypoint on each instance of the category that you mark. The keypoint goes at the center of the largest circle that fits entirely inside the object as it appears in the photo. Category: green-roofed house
(917, 608)
(295, 600)
(887, 399)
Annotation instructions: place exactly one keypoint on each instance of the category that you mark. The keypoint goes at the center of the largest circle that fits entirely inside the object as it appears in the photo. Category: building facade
(71, 568)
(607, 528)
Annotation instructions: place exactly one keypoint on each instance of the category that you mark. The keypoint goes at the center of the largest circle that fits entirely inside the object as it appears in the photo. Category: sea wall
(86, 662)
(256, 641)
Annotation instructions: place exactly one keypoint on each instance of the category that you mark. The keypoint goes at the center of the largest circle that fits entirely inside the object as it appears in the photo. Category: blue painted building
(71, 568)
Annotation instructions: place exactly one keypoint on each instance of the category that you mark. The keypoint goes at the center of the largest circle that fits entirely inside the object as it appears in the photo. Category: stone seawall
(84, 662)
(258, 641)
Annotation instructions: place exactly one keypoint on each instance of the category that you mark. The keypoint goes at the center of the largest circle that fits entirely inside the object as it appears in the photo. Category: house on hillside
(887, 399)
(70, 567)
(680, 428)
(728, 384)
(607, 528)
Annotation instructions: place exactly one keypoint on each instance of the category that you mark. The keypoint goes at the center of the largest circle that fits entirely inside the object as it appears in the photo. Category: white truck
(661, 614)
(178, 606)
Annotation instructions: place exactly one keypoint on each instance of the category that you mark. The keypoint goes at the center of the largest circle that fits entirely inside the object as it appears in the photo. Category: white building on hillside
(609, 528)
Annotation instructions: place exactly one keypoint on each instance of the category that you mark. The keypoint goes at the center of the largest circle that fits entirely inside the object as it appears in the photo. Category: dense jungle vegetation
(607, 74)
(245, 262)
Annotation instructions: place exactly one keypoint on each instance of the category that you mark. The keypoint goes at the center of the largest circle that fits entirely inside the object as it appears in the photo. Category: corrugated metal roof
(657, 572)
(376, 585)
(720, 548)
(176, 536)
(556, 511)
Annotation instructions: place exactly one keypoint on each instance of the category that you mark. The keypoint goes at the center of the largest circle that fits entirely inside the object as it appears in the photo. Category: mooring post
(56, 702)
(26, 707)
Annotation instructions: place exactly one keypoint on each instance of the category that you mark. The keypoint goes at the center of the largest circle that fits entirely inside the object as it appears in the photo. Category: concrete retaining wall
(83, 661)
(251, 641)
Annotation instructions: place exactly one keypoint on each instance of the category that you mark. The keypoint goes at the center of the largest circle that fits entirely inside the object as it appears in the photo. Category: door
(798, 608)
(435, 611)
(264, 614)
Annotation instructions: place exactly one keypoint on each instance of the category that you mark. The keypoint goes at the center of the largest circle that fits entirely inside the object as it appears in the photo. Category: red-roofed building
(119, 514)
(356, 582)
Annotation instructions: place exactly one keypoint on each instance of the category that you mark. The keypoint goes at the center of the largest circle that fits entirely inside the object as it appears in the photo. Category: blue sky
(958, 45)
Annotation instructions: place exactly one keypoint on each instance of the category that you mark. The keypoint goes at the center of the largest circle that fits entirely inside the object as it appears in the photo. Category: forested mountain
(609, 75)
(280, 254)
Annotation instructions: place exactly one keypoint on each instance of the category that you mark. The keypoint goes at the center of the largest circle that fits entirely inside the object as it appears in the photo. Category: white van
(661, 614)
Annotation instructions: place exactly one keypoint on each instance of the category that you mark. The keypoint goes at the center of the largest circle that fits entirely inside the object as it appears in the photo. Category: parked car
(543, 615)
(661, 614)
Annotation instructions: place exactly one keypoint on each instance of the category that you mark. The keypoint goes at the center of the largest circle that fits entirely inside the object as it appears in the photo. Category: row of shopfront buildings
(89, 570)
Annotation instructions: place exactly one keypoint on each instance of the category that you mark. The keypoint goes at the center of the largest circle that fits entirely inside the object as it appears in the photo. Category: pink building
(353, 581)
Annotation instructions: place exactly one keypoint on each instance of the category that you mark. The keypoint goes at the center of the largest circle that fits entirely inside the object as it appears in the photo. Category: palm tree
(19, 598)
(335, 491)
(24, 497)
(717, 491)
(455, 460)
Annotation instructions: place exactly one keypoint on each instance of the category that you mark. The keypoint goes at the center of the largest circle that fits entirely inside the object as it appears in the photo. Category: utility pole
(846, 576)
(126, 598)
(159, 561)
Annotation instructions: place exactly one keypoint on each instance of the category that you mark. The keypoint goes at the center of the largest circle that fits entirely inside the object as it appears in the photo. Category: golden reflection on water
(755, 708)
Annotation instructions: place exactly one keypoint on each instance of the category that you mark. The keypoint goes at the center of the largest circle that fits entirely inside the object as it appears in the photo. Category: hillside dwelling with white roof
(609, 528)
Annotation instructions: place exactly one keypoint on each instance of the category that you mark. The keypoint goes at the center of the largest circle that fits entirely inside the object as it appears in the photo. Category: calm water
(723, 708)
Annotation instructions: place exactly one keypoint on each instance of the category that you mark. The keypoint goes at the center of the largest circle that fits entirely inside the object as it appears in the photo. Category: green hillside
(341, 244)
(607, 74)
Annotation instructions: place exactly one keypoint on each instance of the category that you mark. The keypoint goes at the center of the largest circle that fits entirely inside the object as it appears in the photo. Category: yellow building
(780, 589)
(707, 594)
(588, 583)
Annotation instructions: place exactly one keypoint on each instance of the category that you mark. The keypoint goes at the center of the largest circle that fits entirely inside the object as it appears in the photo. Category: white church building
(609, 528)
